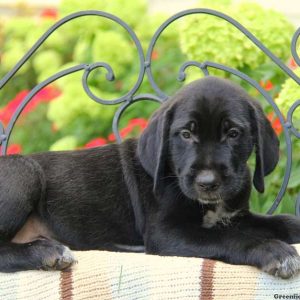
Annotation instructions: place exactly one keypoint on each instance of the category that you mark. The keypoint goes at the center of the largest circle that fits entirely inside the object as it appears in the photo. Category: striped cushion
(109, 275)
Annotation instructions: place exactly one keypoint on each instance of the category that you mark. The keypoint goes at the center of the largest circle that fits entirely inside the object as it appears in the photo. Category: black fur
(158, 191)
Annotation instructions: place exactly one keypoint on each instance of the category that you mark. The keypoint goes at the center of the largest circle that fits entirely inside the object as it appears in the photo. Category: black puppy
(181, 189)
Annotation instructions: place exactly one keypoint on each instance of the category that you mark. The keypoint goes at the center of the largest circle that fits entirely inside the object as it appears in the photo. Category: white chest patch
(220, 215)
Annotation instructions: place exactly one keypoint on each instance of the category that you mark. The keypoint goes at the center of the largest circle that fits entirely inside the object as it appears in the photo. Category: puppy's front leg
(227, 244)
(283, 227)
(40, 254)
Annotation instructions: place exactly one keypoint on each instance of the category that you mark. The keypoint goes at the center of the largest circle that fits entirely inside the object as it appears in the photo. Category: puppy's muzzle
(207, 181)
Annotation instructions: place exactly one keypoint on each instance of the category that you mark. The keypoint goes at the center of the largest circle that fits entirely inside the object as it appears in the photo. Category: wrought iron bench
(131, 276)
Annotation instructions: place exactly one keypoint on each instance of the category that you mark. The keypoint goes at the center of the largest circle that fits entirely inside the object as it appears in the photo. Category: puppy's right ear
(266, 145)
(153, 144)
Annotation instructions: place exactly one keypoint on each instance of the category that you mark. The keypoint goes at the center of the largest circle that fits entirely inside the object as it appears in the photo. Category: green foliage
(34, 132)
(123, 9)
(112, 47)
(73, 119)
(74, 113)
(205, 37)
(66, 143)
(290, 92)
(46, 63)
(273, 182)
(86, 40)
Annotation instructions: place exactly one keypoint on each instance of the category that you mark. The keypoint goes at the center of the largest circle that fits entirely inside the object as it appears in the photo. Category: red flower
(111, 137)
(138, 123)
(7, 112)
(45, 95)
(292, 64)
(49, 13)
(275, 122)
(119, 85)
(267, 85)
(154, 55)
(14, 149)
(96, 143)
(142, 123)
(54, 127)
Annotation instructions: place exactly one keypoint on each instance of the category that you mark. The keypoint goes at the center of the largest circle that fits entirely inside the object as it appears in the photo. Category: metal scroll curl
(296, 132)
(290, 123)
(29, 96)
(110, 76)
(228, 19)
(88, 68)
(297, 206)
(3, 137)
(125, 105)
(67, 19)
(294, 46)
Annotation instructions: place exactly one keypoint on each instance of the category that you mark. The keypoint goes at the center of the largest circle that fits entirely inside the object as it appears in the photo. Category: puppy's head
(204, 136)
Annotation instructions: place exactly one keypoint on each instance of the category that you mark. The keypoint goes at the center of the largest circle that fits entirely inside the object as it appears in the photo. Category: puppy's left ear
(153, 144)
(266, 145)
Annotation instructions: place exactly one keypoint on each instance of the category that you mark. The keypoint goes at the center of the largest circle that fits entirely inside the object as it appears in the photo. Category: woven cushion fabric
(110, 275)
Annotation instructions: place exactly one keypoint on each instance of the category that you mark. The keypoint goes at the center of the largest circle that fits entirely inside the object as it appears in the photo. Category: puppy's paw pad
(286, 268)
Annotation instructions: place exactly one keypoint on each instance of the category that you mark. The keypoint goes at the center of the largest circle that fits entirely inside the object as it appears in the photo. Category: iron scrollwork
(145, 62)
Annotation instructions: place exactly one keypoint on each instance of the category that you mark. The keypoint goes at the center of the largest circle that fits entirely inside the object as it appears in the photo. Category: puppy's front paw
(62, 259)
(285, 268)
(278, 259)
(53, 255)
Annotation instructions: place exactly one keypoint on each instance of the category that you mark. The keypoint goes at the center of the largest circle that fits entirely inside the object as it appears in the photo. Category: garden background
(62, 117)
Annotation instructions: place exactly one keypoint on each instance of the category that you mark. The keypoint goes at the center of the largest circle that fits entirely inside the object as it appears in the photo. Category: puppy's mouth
(209, 197)
(204, 197)
(209, 200)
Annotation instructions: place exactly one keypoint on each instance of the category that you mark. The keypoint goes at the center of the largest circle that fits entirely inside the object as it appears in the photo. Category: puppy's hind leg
(21, 188)
(40, 254)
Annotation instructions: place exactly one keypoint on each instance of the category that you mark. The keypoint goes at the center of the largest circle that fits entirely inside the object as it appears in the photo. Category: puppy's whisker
(173, 184)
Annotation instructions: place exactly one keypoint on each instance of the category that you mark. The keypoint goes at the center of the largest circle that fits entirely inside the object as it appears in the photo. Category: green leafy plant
(205, 37)
(85, 40)
(288, 94)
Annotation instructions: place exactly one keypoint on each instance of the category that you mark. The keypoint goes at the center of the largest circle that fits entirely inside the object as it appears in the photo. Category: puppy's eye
(185, 134)
(233, 133)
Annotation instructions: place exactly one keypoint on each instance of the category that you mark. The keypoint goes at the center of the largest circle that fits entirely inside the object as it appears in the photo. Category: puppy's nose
(207, 181)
